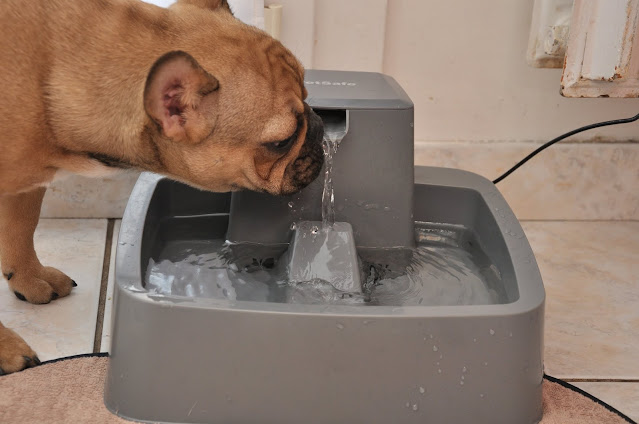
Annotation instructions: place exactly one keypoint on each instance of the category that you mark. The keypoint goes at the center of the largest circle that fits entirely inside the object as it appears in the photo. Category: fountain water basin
(421, 338)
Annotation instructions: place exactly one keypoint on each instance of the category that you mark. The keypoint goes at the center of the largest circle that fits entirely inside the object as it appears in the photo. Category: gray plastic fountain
(434, 312)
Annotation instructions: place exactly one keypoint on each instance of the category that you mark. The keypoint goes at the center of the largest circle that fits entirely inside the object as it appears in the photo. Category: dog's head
(230, 114)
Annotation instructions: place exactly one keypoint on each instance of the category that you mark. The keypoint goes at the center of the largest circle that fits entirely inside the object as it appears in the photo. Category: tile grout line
(99, 324)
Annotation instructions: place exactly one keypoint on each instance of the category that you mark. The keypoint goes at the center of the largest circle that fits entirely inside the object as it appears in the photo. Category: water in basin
(448, 267)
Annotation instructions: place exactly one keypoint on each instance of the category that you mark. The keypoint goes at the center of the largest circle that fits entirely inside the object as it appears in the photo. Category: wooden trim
(549, 33)
(599, 60)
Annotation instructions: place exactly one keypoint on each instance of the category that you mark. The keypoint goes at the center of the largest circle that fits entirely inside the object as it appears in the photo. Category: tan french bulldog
(94, 85)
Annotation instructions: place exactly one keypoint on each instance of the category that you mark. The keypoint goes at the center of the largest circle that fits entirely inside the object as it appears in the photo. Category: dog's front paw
(39, 285)
(15, 353)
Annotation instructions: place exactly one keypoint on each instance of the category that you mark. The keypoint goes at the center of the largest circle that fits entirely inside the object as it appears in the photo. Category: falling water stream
(334, 132)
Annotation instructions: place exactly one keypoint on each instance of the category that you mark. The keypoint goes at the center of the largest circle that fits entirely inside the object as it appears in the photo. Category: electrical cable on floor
(561, 137)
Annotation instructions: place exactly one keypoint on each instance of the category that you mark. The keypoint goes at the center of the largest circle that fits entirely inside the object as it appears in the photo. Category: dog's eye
(281, 146)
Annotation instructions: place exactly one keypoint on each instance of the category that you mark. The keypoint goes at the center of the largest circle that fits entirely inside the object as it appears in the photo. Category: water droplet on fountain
(485, 364)
(481, 395)
(422, 390)
(407, 404)
(475, 340)
(435, 349)
(461, 383)
(439, 371)
(510, 334)
(293, 226)
(290, 204)
(314, 230)
(415, 407)
(492, 332)
(340, 326)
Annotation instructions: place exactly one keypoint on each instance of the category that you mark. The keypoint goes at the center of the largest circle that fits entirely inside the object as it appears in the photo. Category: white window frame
(599, 57)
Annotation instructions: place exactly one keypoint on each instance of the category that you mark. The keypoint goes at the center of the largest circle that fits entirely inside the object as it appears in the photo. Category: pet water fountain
(422, 303)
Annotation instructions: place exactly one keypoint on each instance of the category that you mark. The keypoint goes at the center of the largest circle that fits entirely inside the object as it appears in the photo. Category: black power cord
(561, 137)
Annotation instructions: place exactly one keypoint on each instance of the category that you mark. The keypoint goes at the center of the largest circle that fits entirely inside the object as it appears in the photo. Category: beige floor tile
(105, 345)
(66, 326)
(622, 396)
(578, 181)
(591, 275)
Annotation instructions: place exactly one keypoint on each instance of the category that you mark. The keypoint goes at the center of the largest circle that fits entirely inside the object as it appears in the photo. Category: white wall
(349, 34)
(463, 64)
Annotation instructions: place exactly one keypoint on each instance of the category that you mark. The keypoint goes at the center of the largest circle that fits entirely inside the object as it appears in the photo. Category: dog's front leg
(15, 353)
(27, 278)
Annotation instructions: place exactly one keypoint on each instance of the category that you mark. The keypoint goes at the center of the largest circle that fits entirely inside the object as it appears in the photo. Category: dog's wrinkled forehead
(294, 68)
(285, 71)
(267, 82)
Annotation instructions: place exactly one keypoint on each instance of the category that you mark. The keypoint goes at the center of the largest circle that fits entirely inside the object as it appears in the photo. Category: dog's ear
(180, 96)
(209, 4)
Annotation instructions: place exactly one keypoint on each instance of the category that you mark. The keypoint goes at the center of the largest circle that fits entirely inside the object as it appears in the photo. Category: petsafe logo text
(344, 83)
